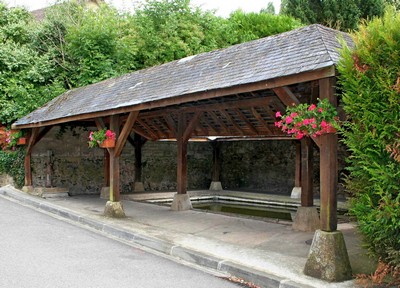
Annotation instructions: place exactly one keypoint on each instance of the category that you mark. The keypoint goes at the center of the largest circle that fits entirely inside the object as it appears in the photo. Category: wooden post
(307, 197)
(27, 161)
(297, 173)
(106, 161)
(328, 164)
(114, 163)
(182, 157)
(28, 171)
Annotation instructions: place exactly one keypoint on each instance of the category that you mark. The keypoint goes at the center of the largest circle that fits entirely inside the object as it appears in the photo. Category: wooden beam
(100, 123)
(328, 164)
(126, 130)
(307, 196)
(244, 103)
(43, 132)
(209, 94)
(191, 126)
(182, 157)
(114, 163)
(286, 96)
(171, 123)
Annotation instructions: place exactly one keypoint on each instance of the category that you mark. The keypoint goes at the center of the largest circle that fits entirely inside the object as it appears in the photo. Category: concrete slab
(270, 254)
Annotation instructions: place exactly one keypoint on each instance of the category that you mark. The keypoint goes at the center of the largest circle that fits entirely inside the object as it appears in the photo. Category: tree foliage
(371, 85)
(341, 14)
(25, 74)
(250, 26)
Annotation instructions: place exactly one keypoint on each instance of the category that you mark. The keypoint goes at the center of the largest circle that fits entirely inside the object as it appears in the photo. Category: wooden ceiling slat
(231, 120)
(244, 118)
(209, 124)
(220, 122)
(260, 119)
(160, 128)
(148, 129)
(143, 133)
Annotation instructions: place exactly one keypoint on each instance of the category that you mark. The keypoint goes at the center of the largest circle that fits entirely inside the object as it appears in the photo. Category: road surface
(38, 250)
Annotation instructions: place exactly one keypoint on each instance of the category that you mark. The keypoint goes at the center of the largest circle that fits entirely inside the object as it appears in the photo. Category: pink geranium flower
(308, 120)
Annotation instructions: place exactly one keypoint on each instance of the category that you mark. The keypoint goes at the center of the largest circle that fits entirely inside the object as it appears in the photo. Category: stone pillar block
(328, 259)
(296, 193)
(181, 202)
(114, 210)
(306, 220)
(27, 189)
(138, 187)
(216, 186)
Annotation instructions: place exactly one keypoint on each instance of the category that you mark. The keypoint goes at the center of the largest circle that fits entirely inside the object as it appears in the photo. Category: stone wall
(261, 166)
(266, 166)
(6, 180)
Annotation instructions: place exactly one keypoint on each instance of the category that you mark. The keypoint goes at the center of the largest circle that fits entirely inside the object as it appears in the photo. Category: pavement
(267, 253)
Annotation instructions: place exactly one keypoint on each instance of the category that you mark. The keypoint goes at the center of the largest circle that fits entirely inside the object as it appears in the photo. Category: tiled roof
(306, 49)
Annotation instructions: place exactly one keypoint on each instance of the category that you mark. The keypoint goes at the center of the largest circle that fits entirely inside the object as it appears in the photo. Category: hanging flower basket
(103, 138)
(108, 143)
(21, 141)
(306, 120)
(14, 138)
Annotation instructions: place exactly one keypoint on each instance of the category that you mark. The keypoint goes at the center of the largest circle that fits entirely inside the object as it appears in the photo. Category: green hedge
(12, 163)
(370, 79)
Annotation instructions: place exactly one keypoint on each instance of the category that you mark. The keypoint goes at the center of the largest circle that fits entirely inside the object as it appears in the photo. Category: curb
(194, 257)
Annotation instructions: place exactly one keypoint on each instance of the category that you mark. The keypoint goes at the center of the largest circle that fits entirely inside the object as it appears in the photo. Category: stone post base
(27, 189)
(114, 210)
(138, 187)
(306, 220)
(328, 259)
(105, 193)
(216, 186)
(181, 202)
(296, 193)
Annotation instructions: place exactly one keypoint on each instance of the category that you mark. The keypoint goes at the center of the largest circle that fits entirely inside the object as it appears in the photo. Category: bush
(12, 163)
(370, 79)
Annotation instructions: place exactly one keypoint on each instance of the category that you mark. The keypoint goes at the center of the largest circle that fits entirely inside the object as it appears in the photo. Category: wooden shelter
(232, 92)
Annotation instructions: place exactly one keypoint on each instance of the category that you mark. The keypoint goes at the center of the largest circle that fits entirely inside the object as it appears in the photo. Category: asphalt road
(37, 250)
